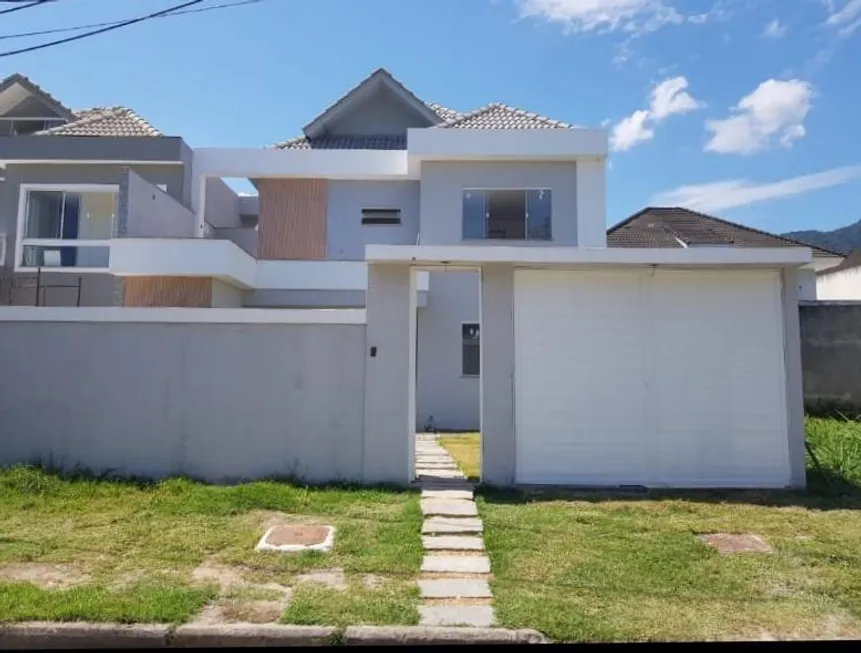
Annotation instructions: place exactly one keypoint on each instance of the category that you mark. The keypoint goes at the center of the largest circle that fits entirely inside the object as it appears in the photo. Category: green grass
(394, 604)
(465, 449)
(25, 602)
(599, 567)
(157, 534)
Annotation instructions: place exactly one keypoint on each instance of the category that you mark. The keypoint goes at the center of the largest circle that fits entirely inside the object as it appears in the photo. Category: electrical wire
(34, 3)
(60, 30)
(78, 37)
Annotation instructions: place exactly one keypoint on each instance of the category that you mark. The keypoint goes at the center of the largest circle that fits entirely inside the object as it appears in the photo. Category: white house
(474, 246)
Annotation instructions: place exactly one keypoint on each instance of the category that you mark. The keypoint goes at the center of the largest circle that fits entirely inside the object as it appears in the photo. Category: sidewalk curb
(400, 635)
(41, 634)
(47, 635)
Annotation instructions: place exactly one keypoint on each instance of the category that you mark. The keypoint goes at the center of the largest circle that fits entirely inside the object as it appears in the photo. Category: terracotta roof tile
(104, 121)
(502, 116)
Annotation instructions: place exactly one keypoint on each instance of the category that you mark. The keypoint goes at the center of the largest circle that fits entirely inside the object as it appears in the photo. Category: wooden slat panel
(189, 292)
(292, 222)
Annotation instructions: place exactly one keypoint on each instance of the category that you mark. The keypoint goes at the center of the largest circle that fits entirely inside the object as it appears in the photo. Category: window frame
(524, 190)
(22, 241)
(463, 373)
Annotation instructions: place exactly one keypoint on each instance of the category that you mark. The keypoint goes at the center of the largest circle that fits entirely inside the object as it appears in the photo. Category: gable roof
(490, 116)
(103, 121)
(38, 91)
(853, 260)
(673, 226)
(380, 77)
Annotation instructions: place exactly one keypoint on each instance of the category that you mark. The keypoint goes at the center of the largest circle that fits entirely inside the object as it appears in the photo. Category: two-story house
(475, 243)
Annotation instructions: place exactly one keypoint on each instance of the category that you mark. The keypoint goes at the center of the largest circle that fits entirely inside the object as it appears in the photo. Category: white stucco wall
(442, 390)
(346, 236)
(845, 284)
(442, 185)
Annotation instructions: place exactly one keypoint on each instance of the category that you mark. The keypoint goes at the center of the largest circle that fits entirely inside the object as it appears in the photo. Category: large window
(470, 349)
(64, 228)
(507, 214)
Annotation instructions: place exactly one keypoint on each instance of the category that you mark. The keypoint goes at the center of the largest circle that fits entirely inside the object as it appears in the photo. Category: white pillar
(591, 203)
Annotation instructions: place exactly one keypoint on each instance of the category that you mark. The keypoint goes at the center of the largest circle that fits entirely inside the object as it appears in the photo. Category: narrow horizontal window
(381, 216)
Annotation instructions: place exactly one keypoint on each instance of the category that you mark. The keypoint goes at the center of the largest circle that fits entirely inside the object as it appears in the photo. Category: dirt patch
(297, 535)
(332, 578)
(214, 573)
(729, 543)
(43, 575)
(374, 582)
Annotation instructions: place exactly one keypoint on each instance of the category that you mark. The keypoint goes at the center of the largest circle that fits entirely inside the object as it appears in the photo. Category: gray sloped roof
(853, 260)
(673, 226)
(104, 121)
(35, 89)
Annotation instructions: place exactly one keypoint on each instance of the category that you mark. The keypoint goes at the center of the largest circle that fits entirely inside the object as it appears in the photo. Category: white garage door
(659, 378)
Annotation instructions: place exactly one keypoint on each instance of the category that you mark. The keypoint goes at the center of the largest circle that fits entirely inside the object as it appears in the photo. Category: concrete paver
(451, 525)
(465, 495)
(452, 543)
(455, 588)
(480, 616)
(454, 508)
(443, 564)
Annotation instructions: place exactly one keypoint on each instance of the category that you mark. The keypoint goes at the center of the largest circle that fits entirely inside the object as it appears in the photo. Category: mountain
(843, 240)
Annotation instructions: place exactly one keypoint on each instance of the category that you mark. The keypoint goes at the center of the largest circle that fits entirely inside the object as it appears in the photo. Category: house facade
(400, 265)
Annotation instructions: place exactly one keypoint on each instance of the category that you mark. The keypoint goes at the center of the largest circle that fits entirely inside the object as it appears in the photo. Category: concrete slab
(438, 473)
(456, 564)
(447, 494)
(452, 543)
(451, 525)
(448, 508)
(480, 616)
(455, 588)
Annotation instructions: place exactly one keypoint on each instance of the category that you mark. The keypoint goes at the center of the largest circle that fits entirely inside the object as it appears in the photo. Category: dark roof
(35, 89)
(679, 227)
(381, 142)
(853, 260)
(104, 121)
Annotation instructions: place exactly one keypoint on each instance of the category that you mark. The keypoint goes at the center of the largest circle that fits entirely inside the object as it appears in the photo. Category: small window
(381, 216)
(471, 349)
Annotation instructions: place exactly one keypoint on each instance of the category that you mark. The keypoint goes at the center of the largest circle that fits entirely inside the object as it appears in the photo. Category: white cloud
(671, 97)
(732, 193)
(602, 15)
(846, 19)
(668, 98)
(630, 131)
(775, 30)
(775, 110)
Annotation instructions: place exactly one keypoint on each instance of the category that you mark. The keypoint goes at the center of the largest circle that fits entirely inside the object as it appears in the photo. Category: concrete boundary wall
(831, 356)
(172, 394)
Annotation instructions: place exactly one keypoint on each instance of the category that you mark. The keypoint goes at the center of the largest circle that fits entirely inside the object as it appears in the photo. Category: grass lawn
(598, 567)
(465, 449)
(114, 551)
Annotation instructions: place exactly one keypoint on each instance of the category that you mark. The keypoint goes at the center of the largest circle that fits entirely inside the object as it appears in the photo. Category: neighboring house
(61, 172)
(842, 282)
(680, 227)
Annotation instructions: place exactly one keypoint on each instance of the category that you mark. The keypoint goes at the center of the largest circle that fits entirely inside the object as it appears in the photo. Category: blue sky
(748, 109)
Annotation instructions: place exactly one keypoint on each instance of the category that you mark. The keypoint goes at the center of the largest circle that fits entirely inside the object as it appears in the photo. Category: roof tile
(502, 116)
(680, 227)
(104, 121)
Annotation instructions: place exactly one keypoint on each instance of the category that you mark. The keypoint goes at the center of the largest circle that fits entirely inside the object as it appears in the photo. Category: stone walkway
(455, 570)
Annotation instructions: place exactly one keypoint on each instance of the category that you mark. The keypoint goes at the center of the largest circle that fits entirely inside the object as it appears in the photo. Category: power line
(34, 3)
(60, 30)
(78, 37)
